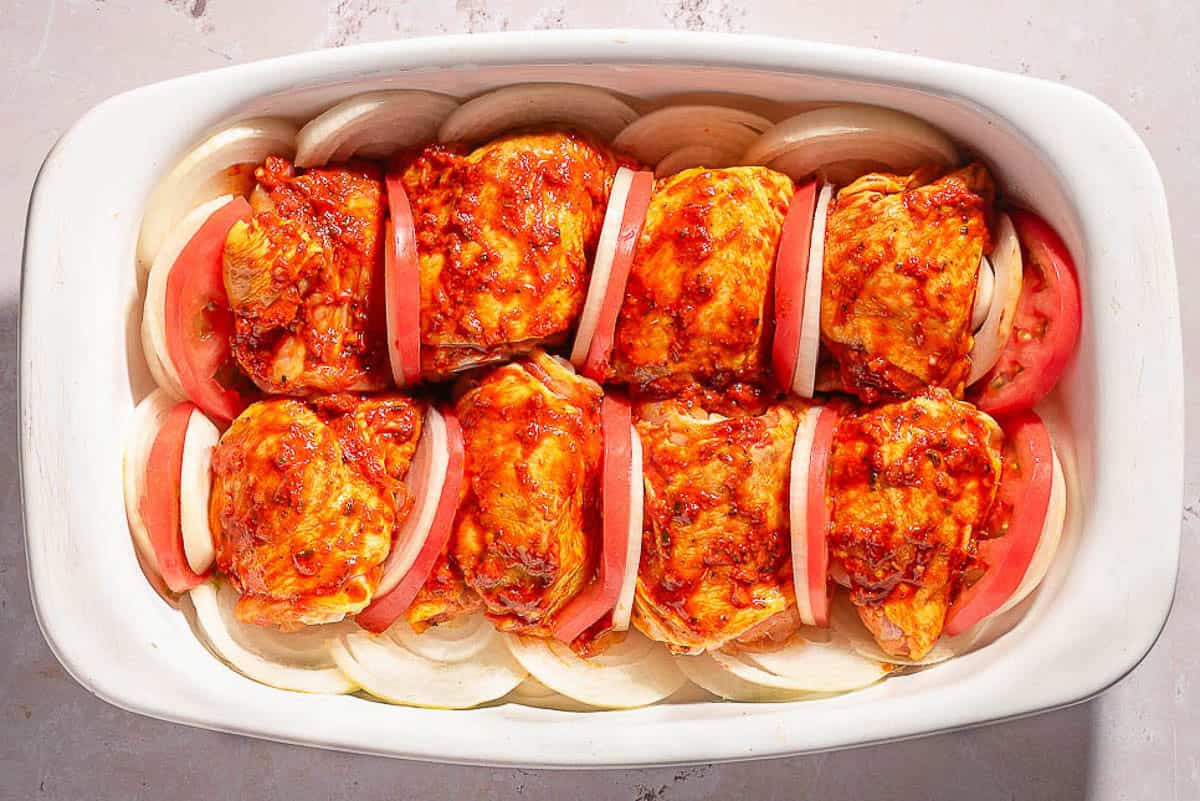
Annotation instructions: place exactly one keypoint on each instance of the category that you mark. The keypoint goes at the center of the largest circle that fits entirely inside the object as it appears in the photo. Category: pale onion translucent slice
(804, 379)
(195, 485)
(983, 294)
(997, 326)
(533, 104)
(805, 144)
(372, 125)
(457, 640)
(298, 660)
(623, 609)
(424, 481)
(707, 673)
(208, 170)
(154, 321)
(389, 670)
(822, 664)
(653, 137)
(798, 511)
(532, 692)
(1043, 555)
(695, 156)
(602, 264)
(147, 419)
(844, 621)
(634, 672)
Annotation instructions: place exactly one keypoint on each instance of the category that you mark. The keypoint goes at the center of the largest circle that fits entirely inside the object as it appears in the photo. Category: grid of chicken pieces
(308, 489)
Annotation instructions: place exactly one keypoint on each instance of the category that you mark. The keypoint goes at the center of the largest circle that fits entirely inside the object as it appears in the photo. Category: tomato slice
(791, 276)
(599, 354)
(385, 609)
(817, 514)
(199, 322)
(160, 503)
(618, 484)
(1017, 520)
(402, 286)
(1046, 328)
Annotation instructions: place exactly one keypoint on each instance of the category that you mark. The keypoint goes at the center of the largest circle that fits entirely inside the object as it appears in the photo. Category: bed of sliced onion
(372, 125)
(195, 485)
(534, 104)
(707, 673)
(815, 141)
(814, 660)
(297, 660)
(678, 137)
(456, 665)
(993, 334)
(602, 264)
(532, 692)
(154, 321)
(207, 171)
(804, 379)
(633, 672)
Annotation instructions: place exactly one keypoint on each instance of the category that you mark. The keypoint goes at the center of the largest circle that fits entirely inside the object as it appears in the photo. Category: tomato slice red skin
(402, 281)
(1029, 368)
(599, 597)
(382, 612)
(791, 278)
(1025, 488)
(198, 320)
(599, 355)
(818, 515)
(160, 505)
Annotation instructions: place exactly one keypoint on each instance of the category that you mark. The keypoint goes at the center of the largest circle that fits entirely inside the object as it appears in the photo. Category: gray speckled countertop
(60, 57)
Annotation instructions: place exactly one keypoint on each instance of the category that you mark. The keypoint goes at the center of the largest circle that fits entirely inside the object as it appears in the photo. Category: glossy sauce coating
(910, 485)
(527, 533)
(716, 556)
(901, 264)
(505, 239)
(304, 279)
(698, 298)
(306, 498)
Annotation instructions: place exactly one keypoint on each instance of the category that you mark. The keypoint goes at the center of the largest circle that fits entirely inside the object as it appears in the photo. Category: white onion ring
(532, 692)
(195, 485)
(984, 289)
(804, 379)
(803, 664)
(802, 145)
(997, 326)
(372, 125)
(290, 661)
(705, 672)
(660, 133)
(154, 322)
(204, 173)
(685, 158)
(798, 510)
(533, 104)
(602, 264)
(623, 609)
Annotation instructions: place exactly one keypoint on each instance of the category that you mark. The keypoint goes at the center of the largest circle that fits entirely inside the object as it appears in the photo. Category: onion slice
(154, 320)
(825, 665)
(706, 672)
(623, 610)
(297, 660)
(220, 165)
(633, 672)
(808, 515)
(691, 156)
(997, 326)
(984, 289)
(532, 104)
(372, 125)
(148, 418)
(195, 485)
(633, 217)
(1052, 529)
(602, 265)
(532, 692)
(805, 144)
(652, 138)
(804, 379)
(459, 664)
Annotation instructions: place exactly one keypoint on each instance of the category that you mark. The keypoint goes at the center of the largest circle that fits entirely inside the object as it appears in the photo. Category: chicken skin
(304, 279)
(527, 533)
(910, 486)
(444, 596)
(901, 264)
(716, 557)
(697, 303)
(306, 498)
(505, 238)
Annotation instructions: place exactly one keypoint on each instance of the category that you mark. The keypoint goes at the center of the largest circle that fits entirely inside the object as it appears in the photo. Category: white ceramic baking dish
(1057, 149)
